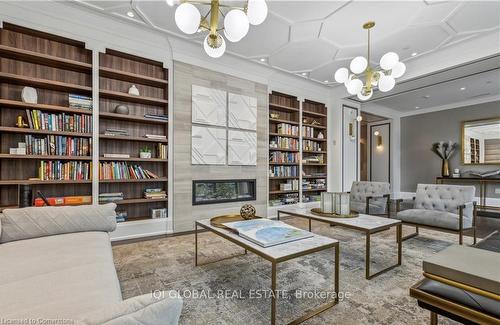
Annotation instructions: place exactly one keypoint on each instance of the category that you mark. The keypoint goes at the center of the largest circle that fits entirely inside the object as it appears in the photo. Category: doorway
(374, 147)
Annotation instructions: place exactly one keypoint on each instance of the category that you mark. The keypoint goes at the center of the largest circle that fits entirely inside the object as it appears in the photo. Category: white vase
(133, 91)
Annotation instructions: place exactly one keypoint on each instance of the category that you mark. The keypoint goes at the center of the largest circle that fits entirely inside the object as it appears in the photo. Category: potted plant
(444, 150)
(145, 153)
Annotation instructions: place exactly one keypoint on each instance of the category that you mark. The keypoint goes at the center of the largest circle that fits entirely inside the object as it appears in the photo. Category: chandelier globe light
(362, 78)
(235, 26)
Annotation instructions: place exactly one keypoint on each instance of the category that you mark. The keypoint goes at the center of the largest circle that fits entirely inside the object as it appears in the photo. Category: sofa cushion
(444, 197)
(57, 276)
(434, 218)
(34, 222)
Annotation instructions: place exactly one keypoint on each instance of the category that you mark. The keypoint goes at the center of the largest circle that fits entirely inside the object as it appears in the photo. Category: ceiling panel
(292, 58)
(476, 16)
(297, 11)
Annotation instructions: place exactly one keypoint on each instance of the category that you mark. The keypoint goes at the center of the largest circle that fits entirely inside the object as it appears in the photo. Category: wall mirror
(481, 141)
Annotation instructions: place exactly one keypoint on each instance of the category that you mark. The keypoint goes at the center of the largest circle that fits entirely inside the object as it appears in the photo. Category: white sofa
(57, 264)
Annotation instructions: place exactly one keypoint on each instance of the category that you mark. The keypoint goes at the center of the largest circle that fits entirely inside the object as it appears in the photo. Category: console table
(482, 182)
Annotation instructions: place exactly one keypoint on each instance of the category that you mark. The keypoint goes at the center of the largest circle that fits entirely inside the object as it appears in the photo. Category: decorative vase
(445, 168)
(133, 91)
(145, 154)
(29, 95)
(121, 109)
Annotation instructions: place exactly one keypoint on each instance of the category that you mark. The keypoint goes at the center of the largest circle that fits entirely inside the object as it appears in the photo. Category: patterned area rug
(236, 290)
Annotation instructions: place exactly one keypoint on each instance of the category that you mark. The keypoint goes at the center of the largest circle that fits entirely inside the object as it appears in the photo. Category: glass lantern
(342, 206)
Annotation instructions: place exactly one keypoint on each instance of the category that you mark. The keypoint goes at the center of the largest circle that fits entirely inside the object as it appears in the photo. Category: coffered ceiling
(314, 38)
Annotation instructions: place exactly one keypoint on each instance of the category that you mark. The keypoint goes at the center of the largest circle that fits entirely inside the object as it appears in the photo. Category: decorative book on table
(266, 233)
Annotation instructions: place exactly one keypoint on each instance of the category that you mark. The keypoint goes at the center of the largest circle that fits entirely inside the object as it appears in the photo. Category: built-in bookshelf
(45, 145)
(297, 150)
(314, 150)
(124, 176)
(284, 149)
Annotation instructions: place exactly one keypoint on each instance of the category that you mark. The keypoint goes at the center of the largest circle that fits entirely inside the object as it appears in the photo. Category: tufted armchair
(370, 197)
(447, 208)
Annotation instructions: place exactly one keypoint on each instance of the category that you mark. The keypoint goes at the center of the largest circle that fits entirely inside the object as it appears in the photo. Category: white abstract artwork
(242, 148)
(242, 112)
(209, 106)
(208, 145)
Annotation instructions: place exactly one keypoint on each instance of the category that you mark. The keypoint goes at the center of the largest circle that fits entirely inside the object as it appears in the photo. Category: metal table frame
(368, 233)
(274, 263)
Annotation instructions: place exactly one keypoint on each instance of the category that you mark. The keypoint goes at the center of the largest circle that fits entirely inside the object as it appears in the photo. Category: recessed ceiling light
(326, 81)
(417, 107)
(262, 59)
(488, 82)
(462, 88)
(304, 73)
(414, 54)
(130, 14)
(426, 96)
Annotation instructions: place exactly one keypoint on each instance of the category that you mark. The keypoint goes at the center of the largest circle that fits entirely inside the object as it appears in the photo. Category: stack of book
(158, 213)
(162, 151)
(121, 170)
(157, 117)
(58, 145)
(155, 193)
(79, 101)
(64, 200)
(121, 216)
(56, 170)
(155, 136)
(110, 197)
(314, 159)
(38, 120)
(116, 155)
(113, 131)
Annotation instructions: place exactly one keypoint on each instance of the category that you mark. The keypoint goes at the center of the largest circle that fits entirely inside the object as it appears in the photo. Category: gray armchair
(448, 208)
(370, 197)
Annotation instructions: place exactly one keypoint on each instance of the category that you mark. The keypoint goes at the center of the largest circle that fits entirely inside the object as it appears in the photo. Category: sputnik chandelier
(237, 21)
(390, 69)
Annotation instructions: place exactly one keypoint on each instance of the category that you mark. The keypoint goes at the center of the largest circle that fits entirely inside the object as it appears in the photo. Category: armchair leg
(460, 237)
(434, 318)
(417, 230)
(474, 234)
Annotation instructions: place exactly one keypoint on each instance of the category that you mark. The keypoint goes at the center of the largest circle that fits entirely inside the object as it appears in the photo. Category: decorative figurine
(20, 121)
(29, 95)
(247, 212)
(320, 135)
(122, 109)
(133, 91)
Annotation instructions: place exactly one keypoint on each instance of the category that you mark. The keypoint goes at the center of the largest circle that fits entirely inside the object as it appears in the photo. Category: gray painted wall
(184, 172)
(379, 157)
(418, 132)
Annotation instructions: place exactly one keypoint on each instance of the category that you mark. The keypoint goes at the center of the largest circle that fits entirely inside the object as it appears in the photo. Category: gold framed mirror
(481, 142)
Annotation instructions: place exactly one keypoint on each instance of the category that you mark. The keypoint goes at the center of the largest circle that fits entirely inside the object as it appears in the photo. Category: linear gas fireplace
(223, 190)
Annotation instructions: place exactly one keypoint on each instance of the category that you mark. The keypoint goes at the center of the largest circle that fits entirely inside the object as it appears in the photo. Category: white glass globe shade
(187, 18)
(398, 70)
(359, 118)
(354, 86)
(256, 11)
(341, 75)
(171, 2)
(386, 83)
(389, 60)
(358, 64)
(236, 25)
(214, 52)
(365, 97)
(351, 77)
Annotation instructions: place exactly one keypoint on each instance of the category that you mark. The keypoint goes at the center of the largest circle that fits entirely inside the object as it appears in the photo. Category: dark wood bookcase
(117, 73)
(284, 148)
(56, 67)
(314, 150)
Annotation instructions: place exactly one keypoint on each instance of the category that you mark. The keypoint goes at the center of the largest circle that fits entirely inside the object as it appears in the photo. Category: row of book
(121, 170)
(317, 184)
(289, 198)
(71, 170)
(284, 143)
(63, 200)
(155, 193)
(309, 145)
(58, 145)
(284, 157)
(290, 185)
(287, 129)
(110, 197)
(162, 151)
(283, 171)
(308, 131)
(38, 120)
(121, 216)
(80, 101)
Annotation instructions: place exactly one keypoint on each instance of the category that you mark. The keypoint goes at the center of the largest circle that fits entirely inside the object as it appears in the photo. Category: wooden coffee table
(366, 223)
(277, 254)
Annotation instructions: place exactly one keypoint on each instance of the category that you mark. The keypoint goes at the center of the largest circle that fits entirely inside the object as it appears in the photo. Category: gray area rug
(235, 291)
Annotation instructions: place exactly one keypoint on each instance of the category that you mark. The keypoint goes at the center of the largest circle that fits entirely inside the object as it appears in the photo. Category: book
(155, 136)
(157, 117)
(65, 200)
(116, 155)
(266, 233)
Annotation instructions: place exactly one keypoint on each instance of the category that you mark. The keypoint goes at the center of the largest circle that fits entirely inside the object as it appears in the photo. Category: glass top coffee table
(366, 223)
(277, 254)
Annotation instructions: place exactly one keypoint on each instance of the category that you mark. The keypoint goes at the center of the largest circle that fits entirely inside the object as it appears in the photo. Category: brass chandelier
(383, 78)
(237, 21)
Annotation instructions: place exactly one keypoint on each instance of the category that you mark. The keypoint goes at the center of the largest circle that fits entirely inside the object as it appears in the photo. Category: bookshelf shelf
(9, 129)
(283, 192)
(314, 126)
(145, 180)
(283, 164)
(314, 190)
(314, 139)
(127, 138)
(313, 151)
(284, 135)
(285, 150)
(284, 108)
(44, 59)
(296, 177)
(130, 98)
(274, 120)
(134, 118)
(304, 112)
(132, 77)
(134, 159)
(139, 201)
(42, 107)
(44, 83)
(41, 182)
(44, 157)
